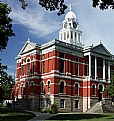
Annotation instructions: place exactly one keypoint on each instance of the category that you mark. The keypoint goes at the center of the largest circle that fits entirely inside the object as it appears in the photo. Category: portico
(99, 63)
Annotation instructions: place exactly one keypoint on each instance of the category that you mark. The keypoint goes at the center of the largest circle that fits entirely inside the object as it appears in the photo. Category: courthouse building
(63, 72)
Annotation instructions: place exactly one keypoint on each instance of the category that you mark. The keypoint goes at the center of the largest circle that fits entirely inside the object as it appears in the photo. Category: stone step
(97, 108)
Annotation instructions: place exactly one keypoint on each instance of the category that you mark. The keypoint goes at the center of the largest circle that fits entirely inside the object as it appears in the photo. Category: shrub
(1, 105)
(49, 111)
(44, 111)
(54, 109)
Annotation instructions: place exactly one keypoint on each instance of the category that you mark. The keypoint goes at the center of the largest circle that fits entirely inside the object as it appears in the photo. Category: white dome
(71, 15)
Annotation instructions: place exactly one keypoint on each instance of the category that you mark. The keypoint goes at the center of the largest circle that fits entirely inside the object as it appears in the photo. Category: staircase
(23, 104)
(97, 108)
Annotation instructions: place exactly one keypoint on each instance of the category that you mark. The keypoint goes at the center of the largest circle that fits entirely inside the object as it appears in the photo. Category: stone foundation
(69, 103)
(34, 102)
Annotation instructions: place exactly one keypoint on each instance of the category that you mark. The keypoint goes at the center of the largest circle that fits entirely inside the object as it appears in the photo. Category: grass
(84, 117)
(15, 115)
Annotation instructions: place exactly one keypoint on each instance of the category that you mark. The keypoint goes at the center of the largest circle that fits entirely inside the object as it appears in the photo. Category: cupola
(70, 31)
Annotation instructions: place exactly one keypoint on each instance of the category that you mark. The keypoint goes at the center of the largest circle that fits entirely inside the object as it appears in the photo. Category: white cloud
(37, 20)
(95, 24)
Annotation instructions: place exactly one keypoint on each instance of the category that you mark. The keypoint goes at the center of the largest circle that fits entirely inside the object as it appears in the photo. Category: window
(43, 68)
(93, 67)
(77, 104)
(76, 69)
(28, 67)
(86, 70)
(79, 37)
(76, 89)
(76, 59)
(31, 87)
(48, 86)
(32, 68)
(106, 69)
(64, 35)
(75, 36)
(61, 87)
(22, 70)
(61, 55)
(70, 24)
(62, 64)
(67, 34)
(71, 35)
(100, 68)
(41, 87)
(62, 103)
(93, 89)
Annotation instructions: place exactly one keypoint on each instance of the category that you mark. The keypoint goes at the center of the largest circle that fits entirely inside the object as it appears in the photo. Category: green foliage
(51, 5)
(54, 108)
(110, 88)
(44, 111)
(103, 4)
(49, 111)
(1, 105)
(6, 83)
(23, 4)
(5, 25)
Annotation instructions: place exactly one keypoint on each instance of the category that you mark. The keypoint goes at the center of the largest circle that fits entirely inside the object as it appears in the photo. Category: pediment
(27, 47)
(100, 49)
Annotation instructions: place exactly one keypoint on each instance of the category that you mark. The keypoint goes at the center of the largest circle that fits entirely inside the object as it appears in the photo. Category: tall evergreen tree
(5, 25)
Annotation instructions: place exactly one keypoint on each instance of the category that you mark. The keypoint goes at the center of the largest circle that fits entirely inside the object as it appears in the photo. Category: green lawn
(15, 115)
(84, 117)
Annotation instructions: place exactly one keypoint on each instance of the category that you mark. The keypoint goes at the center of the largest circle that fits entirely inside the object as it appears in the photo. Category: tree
(110, 88)
(5, 25)
(60, 5)
(6, 83)
(103, 4)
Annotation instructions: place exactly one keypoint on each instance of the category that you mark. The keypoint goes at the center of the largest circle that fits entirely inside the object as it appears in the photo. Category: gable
(27, 47)
(100, 49)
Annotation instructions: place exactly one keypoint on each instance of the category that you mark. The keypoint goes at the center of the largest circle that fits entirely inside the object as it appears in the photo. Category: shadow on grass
(15, 115)
(76, 116)
(16, 118)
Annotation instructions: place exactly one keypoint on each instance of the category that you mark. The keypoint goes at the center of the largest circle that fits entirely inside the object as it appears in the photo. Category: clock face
(65, 25)
(74, 25)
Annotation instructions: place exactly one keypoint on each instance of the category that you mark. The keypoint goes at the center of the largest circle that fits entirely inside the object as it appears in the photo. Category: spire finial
(28, 39)
(70, 7)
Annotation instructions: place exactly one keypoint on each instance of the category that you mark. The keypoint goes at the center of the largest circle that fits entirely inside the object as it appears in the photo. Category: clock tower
(70, 31)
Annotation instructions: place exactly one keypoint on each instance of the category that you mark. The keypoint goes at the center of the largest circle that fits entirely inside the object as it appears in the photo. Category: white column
(89, 65)
(103, 69)
(109, 70)
(69, 35)
(77, 36)
(95, 67)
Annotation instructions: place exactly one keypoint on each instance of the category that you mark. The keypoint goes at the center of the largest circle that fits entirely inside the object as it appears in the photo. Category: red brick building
(63, 71)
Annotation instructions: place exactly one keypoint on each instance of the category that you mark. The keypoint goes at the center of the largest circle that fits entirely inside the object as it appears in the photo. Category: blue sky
(41, 26)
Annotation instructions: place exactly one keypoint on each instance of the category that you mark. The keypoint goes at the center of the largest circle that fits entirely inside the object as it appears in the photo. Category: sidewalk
(41, 116)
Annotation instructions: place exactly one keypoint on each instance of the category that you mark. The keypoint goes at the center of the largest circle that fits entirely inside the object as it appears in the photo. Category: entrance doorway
(100, 89)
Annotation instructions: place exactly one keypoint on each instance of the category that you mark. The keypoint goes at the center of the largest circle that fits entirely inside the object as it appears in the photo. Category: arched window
(31, 87)
(48, 86)
(41, 87)
(62, 87)
(28, 67)
(76, 89)
(93, 89)
(100, 87)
